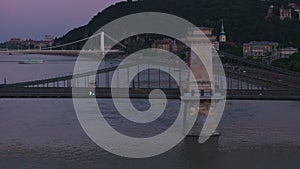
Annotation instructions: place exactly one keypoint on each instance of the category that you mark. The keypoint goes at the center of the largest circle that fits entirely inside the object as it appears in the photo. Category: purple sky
(35, 18)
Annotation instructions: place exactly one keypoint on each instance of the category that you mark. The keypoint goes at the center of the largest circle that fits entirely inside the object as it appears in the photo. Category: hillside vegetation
(291, 63)
(244, 20)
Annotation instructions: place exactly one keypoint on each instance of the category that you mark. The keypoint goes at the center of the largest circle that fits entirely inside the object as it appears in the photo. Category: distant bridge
(60, 52)
(60, 49)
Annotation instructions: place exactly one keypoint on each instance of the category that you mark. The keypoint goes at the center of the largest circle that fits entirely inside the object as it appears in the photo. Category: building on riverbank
(259, 49)
(286, 52)
(17, 43)
(267, 51)
(285, 13)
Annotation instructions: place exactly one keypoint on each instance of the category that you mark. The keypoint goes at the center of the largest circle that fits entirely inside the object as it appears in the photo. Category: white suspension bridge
(60, 49)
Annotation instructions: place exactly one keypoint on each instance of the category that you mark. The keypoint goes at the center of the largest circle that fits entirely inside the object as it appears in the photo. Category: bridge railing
(261, 82)
(149, 79)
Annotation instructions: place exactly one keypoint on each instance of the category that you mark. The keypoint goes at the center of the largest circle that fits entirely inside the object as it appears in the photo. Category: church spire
(222, 37)
(222, 27)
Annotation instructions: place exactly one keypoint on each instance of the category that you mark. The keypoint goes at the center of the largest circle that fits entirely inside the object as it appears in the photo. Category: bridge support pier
(200, 110)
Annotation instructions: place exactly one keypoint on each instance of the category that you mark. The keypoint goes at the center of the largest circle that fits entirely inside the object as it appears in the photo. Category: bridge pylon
(202, 70)
(102, 42)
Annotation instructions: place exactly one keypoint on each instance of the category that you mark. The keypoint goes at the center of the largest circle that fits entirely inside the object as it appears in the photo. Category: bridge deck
(144, 93)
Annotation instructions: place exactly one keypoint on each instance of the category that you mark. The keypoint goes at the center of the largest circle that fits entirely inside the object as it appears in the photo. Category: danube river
(45, 133)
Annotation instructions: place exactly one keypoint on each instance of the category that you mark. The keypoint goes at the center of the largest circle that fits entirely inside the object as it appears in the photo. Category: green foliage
(231, 48)
(244, 20)
(295, 57)
(291, 63)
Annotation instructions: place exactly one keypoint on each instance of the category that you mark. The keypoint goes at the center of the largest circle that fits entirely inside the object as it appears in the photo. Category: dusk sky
(35, 18)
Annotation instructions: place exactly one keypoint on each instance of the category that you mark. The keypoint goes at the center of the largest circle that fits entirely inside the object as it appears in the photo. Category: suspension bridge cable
(81, 40)
(115, 41)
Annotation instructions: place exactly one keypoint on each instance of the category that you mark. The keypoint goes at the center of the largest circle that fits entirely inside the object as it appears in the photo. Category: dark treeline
(291, 63)
(244, 19)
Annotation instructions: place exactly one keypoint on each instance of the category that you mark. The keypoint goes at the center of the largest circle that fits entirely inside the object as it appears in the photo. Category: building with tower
(222, 37)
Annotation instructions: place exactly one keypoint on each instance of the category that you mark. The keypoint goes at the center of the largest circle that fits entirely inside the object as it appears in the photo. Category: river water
(45, 133)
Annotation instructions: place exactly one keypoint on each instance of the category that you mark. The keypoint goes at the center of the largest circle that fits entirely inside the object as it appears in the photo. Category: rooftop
(289, 48)
(261, 43)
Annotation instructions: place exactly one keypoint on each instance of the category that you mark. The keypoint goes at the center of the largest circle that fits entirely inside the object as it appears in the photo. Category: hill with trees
(244, 20)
